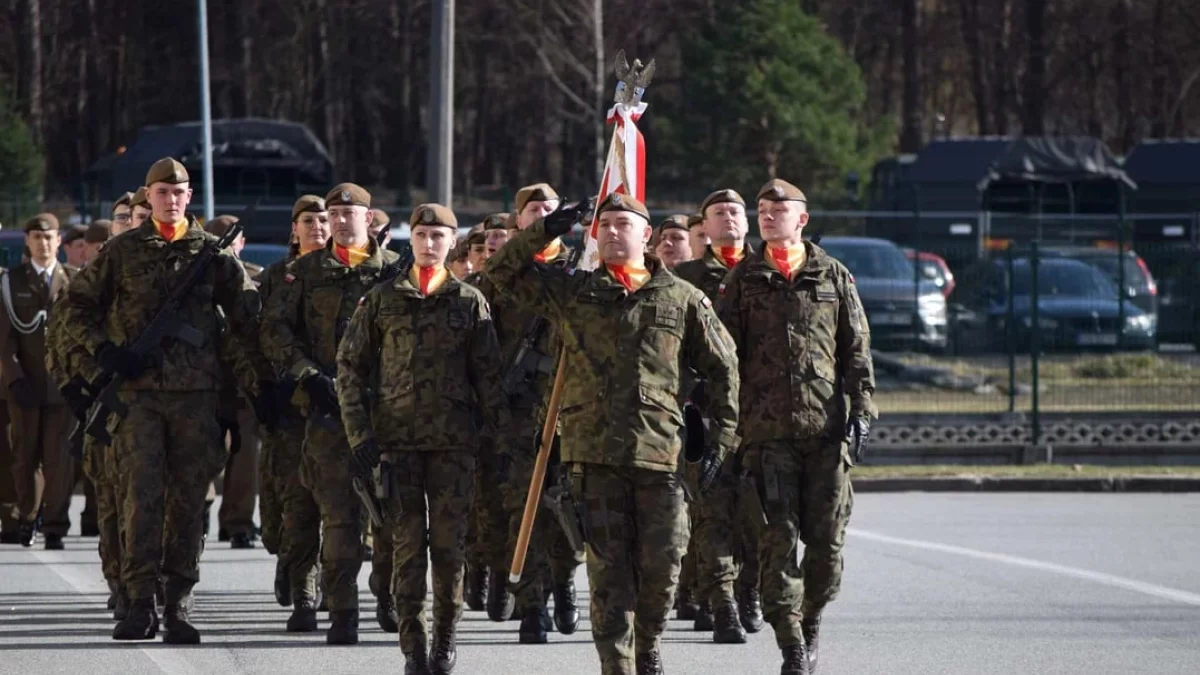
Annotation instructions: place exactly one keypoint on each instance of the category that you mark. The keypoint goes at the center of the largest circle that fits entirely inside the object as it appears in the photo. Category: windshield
(1063, 278)
(871, 261)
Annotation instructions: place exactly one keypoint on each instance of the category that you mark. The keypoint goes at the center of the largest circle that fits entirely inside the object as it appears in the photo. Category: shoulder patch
(706, 302)
(289, 278)
(720, 289)
(362, 301)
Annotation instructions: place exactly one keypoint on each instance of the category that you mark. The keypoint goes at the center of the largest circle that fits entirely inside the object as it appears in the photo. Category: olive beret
(721, 197)
(220, 225)
(348, 194)
(496, 221)
(675, 222)
(538, 192)
(98, 232)
(307, 203)
(166, 170)
(42, 222)
(126, 199)
(433, 214)
(620, 202)
(140, 198)
(74, 233)
(695, 219)
(381, 219)
(777, 190)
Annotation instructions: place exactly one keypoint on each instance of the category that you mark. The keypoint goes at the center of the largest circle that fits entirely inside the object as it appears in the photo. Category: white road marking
(1153, 590)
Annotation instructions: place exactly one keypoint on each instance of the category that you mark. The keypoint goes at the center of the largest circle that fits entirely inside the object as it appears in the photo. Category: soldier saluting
(632, 329)
(425, 343)
(803, 341)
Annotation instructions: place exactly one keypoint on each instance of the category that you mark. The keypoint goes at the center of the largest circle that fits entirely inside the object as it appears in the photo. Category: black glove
(77, 399)
(565, 218)
(266, 405)
(858, 430)
(22, 393)
(121, 360)
(322, 393)
(364, 459)
(710, 468)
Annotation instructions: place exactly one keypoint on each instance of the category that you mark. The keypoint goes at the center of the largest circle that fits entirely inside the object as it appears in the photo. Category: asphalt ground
(935, 583)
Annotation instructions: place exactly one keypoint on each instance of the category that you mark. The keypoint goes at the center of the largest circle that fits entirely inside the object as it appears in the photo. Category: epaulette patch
(289, 278)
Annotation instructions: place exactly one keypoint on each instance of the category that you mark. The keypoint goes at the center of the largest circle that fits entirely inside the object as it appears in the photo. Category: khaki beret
(777, 190)
(538, 192)
(220, 225)
(42, 222)
(140, 198)
(510, 223)
(126, 199)
(721, 197)
(348, 194)
(496, 221)
(75, 233)
(675, 222)
(166, 170)
(98, 232)
(476, 238)
(381, 219)
(307, 203)
(619, 202)
(695, 219)
(433, 214)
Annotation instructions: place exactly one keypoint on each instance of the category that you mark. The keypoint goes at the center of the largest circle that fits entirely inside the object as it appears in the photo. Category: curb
(1019, 484)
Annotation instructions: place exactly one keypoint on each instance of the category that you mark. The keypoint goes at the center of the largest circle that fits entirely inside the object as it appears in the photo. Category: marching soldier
(167, 448)
(721, 539)
(294, 530)
(97, 235)
(304, 323)
(74, 246)
(497, 227)
(803, 341)
(122, 214)
(671, 243)
(425, 343)
(459, 262)
(632, 330)
(38, 413)
(381, 224)
(697, 239)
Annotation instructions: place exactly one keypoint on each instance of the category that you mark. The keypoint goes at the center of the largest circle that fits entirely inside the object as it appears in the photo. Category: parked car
(933, 267)
(903, 311)
(1140, 287)
(1079, 308)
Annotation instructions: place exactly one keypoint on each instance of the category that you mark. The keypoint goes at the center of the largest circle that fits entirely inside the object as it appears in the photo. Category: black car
(1140, 287)
(1078, 308)
(904, 311)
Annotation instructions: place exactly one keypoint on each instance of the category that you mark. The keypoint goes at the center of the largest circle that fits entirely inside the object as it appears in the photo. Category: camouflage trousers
(325, 472)
(725, 546)
(637, 531)
(300, 527)
(99, 466)
(806, 493)
(428, 511)
(166, 452)
(43, 469)
(688, 588)
(272, 479)
(487, 533)
(236, 515)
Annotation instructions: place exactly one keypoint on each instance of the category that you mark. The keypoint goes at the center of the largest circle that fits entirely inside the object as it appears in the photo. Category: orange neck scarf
(427, 279)
(787, 260)
(632, 277)
(550, 252)
(729, 255)
(171, 231)
(351, 257)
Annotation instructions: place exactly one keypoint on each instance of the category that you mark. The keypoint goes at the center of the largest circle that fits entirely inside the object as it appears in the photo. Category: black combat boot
(121, 609)
(54, 542)
(283, 584)
(535, 621)
(477, 588)
(810, 627)
(795, 662)
(113, 589)
(750, 610)
(444, 653)
(177, 625)
(344, 627)
(28, 528)
(566, 613)
(416, 663)
(727, 630)
(500, 602)
(304, 615)
(385, 614)
(704, 618)
(649, 663)
(10, 537)
(241, 541)
(141, 622)
(686, 609)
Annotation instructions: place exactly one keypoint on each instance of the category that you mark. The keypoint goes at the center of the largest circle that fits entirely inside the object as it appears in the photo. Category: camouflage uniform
(626, 356)
(723, 532)
(804, 347)
(549, 553)
(168, 449)
(302, 326)
(431, 361)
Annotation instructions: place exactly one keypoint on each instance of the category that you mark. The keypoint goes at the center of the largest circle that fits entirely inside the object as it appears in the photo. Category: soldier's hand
(322, 392)
(568, 216)
(858, 430)
(77, 399)
(364, 458)
(267, 405)
(710, 469)
(121, 360)
(22, 393)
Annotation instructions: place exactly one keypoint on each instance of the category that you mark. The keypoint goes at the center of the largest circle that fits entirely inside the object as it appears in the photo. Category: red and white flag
(624, 170)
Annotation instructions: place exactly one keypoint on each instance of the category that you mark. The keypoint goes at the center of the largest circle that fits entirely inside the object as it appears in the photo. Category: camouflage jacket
(430, 362)
(626, 355)
(308, 313)
(803, 347)
(116, 295)
(706, 272)
(512, 320)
